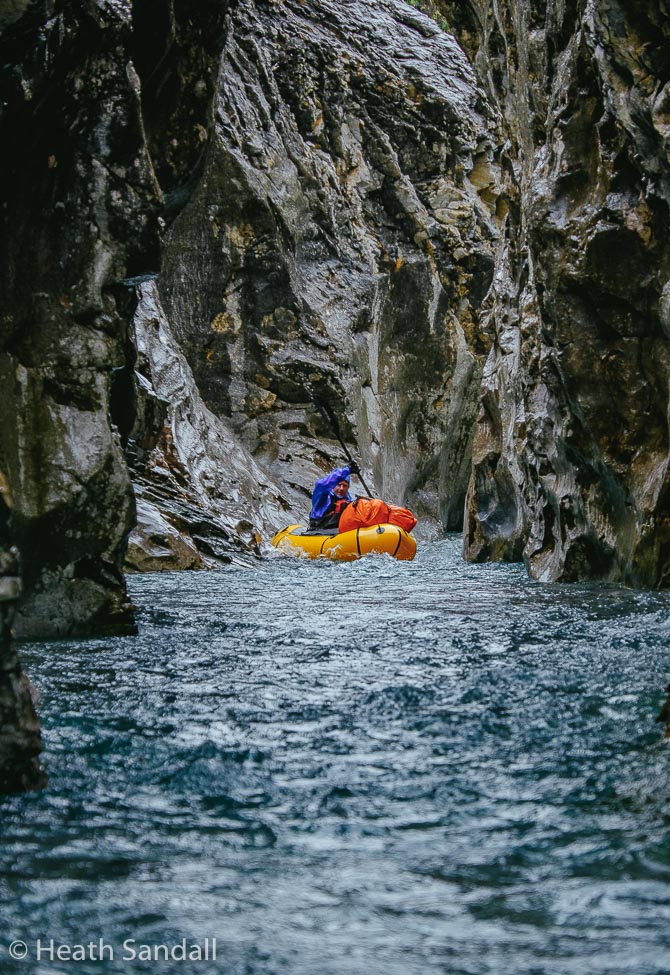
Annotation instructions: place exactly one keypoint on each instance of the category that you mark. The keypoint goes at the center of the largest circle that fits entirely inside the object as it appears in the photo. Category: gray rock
(334, 249)
(202, 499)
(570, 467)
(78, 195)
(155, 544)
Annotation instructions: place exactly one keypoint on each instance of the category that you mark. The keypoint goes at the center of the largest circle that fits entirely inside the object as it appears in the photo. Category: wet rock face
(337, 244)
(202, 501)
(570, 455)
(78, 213)
(20, 742)
(322, 177)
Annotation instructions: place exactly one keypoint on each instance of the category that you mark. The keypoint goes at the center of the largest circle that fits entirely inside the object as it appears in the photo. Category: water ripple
(375, 767)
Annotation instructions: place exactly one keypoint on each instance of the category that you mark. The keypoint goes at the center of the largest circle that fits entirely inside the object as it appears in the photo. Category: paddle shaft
(332, 419)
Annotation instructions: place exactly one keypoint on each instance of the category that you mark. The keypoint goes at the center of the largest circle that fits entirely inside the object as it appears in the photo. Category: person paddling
(331, 496)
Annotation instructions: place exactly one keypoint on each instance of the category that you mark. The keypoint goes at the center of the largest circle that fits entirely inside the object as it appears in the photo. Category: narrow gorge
(235, 231)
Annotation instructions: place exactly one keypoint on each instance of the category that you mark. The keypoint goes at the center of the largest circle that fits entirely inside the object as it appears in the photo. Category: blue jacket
(322, 495)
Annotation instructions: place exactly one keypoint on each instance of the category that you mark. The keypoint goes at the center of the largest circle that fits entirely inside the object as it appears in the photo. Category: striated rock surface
(336, 245)
(570, 459)
(202, 499)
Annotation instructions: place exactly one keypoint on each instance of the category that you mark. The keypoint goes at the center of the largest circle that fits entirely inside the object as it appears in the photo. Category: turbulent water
(375, 768)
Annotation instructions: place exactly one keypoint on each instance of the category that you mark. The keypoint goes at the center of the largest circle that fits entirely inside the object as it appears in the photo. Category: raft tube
(347, 546)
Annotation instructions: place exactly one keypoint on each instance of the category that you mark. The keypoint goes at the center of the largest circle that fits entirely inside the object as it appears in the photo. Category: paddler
(331, 496)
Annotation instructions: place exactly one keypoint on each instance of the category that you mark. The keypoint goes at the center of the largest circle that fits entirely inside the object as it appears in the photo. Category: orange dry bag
(365, 512)
(362, 513)
(402, 517)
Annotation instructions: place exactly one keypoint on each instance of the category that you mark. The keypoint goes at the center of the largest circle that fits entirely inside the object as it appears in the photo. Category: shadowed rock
(570, 464)
(78, 198)
(20, 742)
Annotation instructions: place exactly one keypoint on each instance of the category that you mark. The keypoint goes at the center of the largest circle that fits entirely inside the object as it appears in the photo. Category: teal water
(376, 768)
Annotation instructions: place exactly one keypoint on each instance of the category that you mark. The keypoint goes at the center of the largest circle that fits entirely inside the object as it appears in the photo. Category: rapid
(374, 768)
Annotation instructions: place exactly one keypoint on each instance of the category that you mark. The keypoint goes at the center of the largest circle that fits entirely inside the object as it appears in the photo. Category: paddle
(334, 425)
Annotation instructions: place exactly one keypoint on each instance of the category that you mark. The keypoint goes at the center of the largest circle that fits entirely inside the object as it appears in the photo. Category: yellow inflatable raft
(347, 546)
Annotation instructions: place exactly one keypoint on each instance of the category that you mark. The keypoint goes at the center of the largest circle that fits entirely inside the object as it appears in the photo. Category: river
(375, 768)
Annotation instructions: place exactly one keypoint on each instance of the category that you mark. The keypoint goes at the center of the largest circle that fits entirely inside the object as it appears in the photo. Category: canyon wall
(237, 233)
(325, 274)
(311, 188)
(77, 215)
(20, 741)
(323, 195)
(570, 458)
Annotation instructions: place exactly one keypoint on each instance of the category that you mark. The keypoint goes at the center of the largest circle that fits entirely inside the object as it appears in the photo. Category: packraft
(348, 545)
